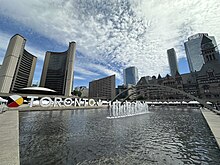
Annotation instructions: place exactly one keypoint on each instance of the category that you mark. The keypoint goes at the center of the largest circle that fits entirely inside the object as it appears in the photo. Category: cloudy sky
(110, 34)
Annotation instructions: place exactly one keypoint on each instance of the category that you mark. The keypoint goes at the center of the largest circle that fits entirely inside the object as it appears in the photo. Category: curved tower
(18, 67)
(57, 71)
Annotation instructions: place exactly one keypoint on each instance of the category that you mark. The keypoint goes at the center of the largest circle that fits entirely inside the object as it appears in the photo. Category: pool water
(166, 135)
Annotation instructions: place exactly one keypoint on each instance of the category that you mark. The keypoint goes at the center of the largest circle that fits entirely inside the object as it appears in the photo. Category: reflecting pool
(166, 135)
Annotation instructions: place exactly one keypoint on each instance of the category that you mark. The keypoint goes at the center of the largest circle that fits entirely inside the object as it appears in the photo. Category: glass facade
(24, 69)
(193, 51)
(56, 72)
(172, 61)
(130, 76)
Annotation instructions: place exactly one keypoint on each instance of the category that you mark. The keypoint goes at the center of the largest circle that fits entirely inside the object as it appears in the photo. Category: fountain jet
(127, 109)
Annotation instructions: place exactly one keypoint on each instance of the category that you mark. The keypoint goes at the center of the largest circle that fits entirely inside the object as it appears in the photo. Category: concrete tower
(18, 67)
(57, 71)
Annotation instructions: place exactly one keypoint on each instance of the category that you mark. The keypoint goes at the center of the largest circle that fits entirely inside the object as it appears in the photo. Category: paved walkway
(213, 121)
(9, 138)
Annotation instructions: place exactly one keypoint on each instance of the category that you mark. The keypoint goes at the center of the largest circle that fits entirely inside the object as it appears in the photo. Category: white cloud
(40, 54)
(78, 78)
(116, 34)
(102, 69)
(84, 71)
(4, 40)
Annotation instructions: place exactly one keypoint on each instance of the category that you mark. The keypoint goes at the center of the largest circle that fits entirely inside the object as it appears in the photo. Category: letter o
(91, 102)
(68, 102)
(45, 99)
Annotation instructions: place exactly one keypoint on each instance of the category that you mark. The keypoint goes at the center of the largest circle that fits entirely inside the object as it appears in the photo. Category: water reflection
(164, 136)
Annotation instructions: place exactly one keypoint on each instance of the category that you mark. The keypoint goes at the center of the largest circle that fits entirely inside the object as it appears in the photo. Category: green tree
(77, 93)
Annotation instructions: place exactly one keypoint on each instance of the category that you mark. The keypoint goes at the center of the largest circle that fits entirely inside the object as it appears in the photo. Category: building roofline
(18, 35)
(72, 42)
(30, 53)
(61, 52)
(57, 52)
(102, 78)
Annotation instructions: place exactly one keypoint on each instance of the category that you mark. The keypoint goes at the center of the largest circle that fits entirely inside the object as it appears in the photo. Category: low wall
(213, 120)
(9, 138)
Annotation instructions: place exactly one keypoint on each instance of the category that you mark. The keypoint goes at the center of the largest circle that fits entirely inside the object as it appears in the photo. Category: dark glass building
(172, 61)
(193, 51)
(130, 76)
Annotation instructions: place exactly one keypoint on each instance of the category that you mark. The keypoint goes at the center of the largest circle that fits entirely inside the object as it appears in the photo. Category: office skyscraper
(193, 51)
(130, 75)
(172, 61)
(18, 67)
(57, 71)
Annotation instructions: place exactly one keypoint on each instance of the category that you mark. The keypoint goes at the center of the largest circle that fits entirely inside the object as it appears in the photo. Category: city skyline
(105, 46)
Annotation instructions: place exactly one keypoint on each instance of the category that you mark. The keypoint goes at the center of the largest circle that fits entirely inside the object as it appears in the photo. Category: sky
(110, 34)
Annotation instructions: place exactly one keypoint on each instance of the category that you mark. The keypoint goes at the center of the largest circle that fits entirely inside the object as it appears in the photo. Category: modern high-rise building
(193, 51)
(103, 88)
(18, 67)
(57, 71)
(130, 75)
(172, 61)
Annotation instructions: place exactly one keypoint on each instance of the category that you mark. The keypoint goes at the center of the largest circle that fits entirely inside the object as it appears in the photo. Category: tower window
(210, 73)
(206, 88)
(213, 56)
(207, 57)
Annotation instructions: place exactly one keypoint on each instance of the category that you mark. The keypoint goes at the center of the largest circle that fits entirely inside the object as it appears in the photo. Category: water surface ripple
(166, 135)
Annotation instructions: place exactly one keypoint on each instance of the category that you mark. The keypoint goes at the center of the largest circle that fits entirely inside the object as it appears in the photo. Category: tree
(77, 93)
